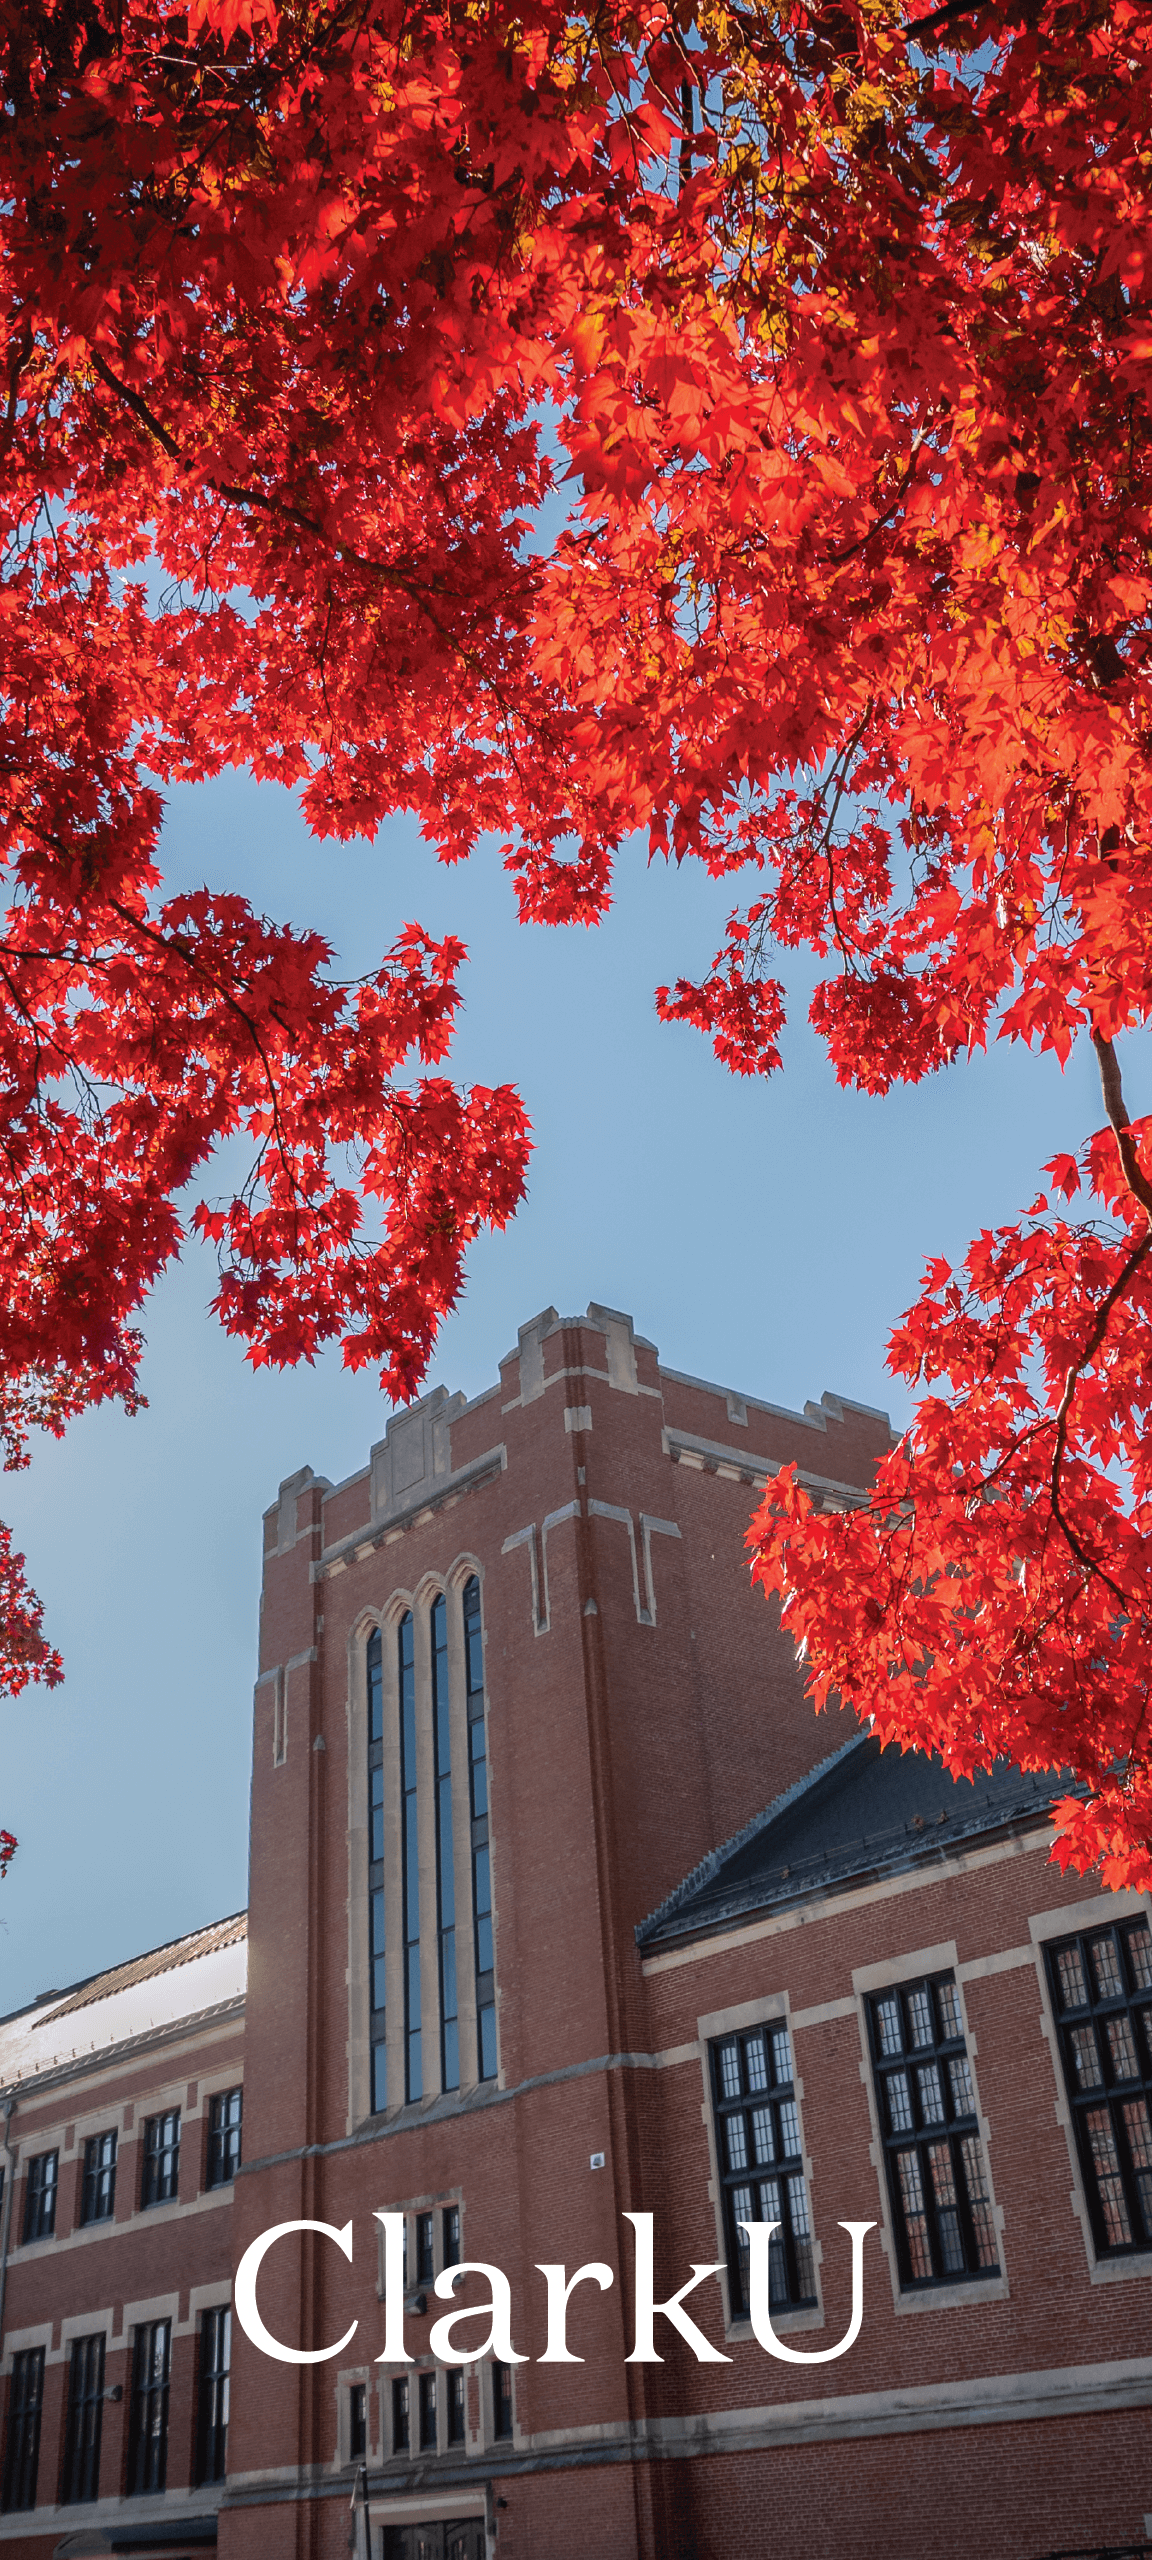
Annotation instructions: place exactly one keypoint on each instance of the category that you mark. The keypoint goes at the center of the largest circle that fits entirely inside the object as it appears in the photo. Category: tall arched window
(481, 1865)
(445, 1873)
(376, 1992)
(410, 1860)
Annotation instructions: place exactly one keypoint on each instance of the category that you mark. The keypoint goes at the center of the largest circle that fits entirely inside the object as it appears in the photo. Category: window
(451, 2227)
(224, 2138)
(40, 2200)
(148, 2422)
(212, 2411)
(400, 2416)
(377, 1993)
(425, 2231)
(81, 2481)
(428, 2412)
(445, 1869)
(410, 1861)
(98, 2196)
(759, 2149)
(937, 2180)
(481, 1868)
(1102, 1994)
(357, 2422)
(455, 2381)
(22, 2449)
(161, 2171)
(501, 2399)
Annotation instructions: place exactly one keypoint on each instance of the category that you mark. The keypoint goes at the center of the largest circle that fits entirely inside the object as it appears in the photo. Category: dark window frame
(41, 2192)
(357, 2421)
(224, 2136)
(456, 2406)
(80, 2475)
(487, 2059)
(503, 2409)
(428, 2410)
(22, 2441)
(945, 2232)
(148, 2415)
(1105, 2023)
(410, 1859)
(760, 2161)
(401, 2415)
(160, 2160)
(98, 2190)
(377, 1983)
(213, 2393)
(445, 1857)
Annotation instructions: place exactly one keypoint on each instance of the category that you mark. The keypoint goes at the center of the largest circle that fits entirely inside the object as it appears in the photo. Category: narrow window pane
(755, 2063)
(148, 2420)
(951, 2022)
(22, 2443)
(455, 2380)
(428, 2412)
(1070, 1974)
(425, 2227)
(762, 2140)
(375, 1667)
(979, 2201)
(82, 2426)
(1109, 2185)
(487, 2027)
(98, 2197)
(357, 2421)
(887, 2014)
(452, 2235)
(737, 2142)
(915, 2219)
(960, 2082)
(1139, 1943)
(212, 2415)
(930, 2094)
(477, 1751)
(920, 2026)
(1139, 2132)
(224, 2138)
(400, 2416)
(899, 2102)
(40, 2201)
(947, 2207)
(502, 2398)
(1085, 2057)
(730, 2070)
(789, 2125)
(781, 2058)
(1105, 1966)
(1122, 2049)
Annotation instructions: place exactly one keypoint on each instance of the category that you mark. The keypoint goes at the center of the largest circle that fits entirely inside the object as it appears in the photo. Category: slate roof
(865, 1812)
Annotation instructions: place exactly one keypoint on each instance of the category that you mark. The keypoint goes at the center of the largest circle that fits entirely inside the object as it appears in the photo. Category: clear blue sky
(765, 1235)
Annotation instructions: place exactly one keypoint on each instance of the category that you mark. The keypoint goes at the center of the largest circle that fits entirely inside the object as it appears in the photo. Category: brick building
(527, 1957)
